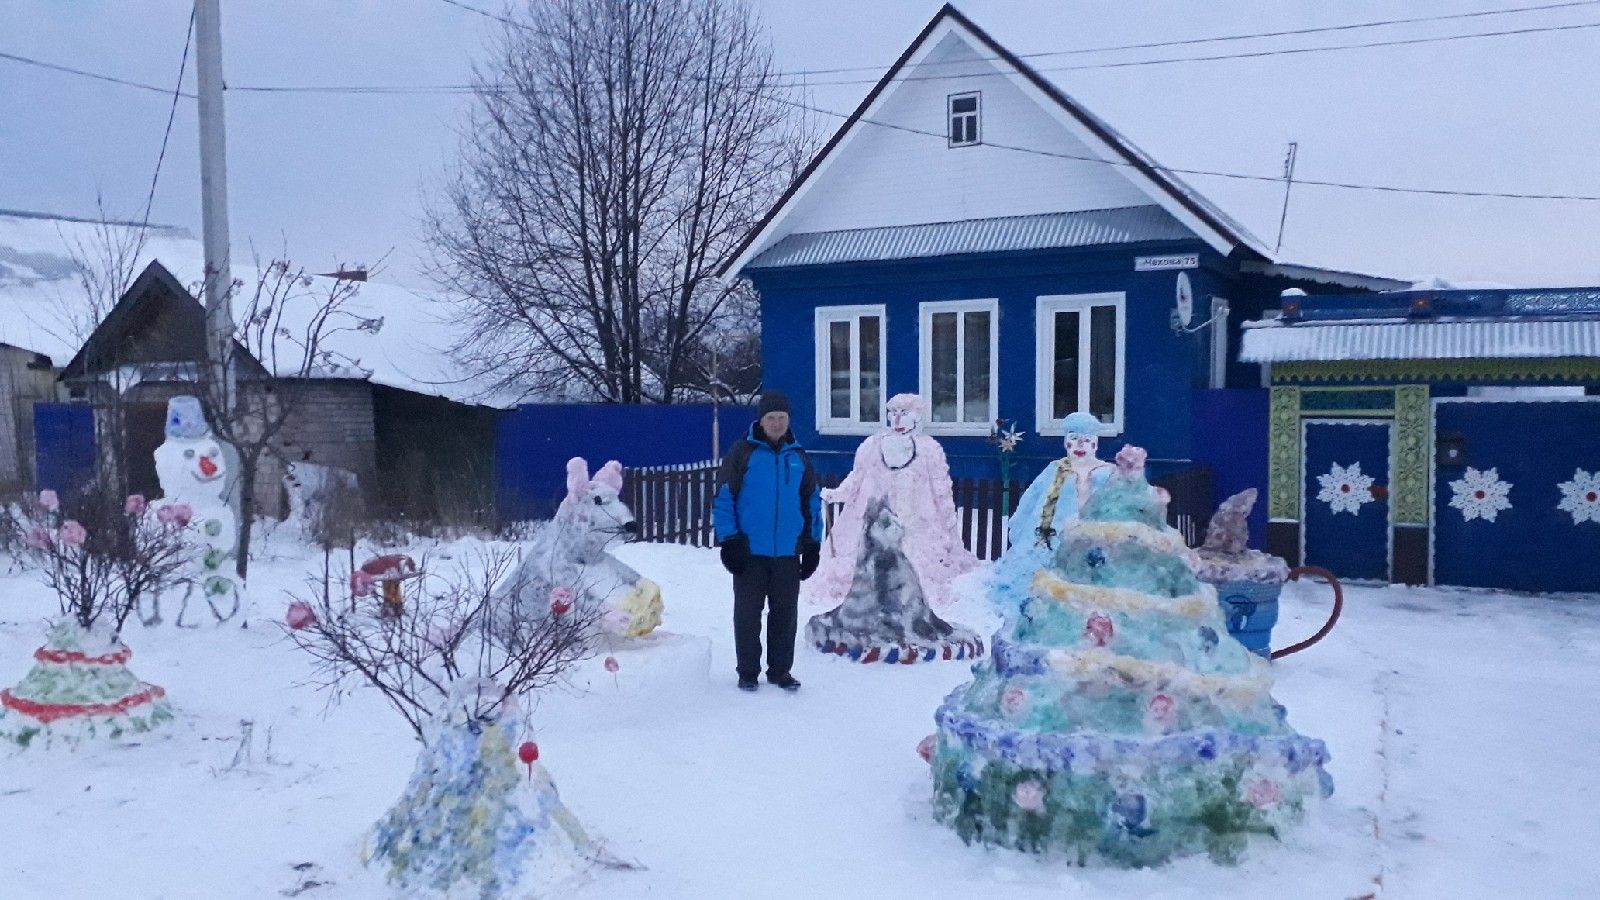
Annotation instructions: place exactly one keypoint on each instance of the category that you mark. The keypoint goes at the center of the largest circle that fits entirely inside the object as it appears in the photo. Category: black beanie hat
(773, 401)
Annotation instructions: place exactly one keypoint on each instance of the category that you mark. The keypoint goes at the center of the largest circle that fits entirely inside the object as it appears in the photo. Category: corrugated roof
(1491, 339)
(1125, 225)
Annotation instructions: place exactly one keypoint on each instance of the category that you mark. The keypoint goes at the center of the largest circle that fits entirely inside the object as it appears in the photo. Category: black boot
(786, 681)
(748, 684)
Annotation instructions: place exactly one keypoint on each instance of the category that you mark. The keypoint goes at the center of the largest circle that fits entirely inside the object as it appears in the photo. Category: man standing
(768, 518)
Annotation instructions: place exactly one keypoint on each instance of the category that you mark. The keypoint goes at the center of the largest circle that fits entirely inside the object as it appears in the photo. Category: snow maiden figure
(192, 467)
(906, 469)
(1053, 501)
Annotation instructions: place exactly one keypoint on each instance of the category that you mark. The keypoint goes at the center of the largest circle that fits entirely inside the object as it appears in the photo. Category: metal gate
(1516, 494)
(1344, 496)
(64, 448)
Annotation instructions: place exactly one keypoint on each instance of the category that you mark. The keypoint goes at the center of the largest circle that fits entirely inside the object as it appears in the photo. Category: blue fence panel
(1230, 428)
(533, 444)
(64, 445)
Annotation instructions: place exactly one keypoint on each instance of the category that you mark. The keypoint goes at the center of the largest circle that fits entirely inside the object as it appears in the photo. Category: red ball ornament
(528, 752)
(611, 664)
(925, 748)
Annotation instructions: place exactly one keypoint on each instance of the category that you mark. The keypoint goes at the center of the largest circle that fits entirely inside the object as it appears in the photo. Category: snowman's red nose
(207, 467)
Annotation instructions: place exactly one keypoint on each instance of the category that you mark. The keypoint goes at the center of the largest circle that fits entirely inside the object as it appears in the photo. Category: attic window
(964, 110)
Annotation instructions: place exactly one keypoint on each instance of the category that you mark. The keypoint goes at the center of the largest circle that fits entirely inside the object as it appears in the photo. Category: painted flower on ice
(1262, 793)
(1130, 459)
(37, 539)
(177, 514)
(48, 500)
(300, 616)
(1029, 795)
(1161, 712)
(1480, 495)
(1345, 488)
(134, 505)
(72, 534)
(1581, 496)
(1098, 630)
(561, 598)
(1013, 700)
(925, 748)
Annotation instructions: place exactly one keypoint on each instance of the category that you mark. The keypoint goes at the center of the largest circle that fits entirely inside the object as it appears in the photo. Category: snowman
(193, 469)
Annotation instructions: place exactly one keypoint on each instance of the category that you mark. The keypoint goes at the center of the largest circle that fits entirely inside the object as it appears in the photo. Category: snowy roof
(1126, 225)
(1501, 339)
(44, 308)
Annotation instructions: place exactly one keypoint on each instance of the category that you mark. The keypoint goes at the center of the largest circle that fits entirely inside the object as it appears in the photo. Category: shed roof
(1475, 339)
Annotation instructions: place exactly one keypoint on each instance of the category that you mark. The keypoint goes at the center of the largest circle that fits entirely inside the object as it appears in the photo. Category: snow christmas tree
(1116, 721)
(80, 689)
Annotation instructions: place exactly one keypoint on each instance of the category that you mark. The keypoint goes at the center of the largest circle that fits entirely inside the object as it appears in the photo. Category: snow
(42, 306)
(1459, 723)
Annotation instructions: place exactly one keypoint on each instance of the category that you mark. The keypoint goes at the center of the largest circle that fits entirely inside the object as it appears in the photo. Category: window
(1079, 362)
(850, 368)
(964, 112)
(959, 361)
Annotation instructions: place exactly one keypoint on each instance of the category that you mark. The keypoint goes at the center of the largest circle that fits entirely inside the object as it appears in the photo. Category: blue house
(973, 234)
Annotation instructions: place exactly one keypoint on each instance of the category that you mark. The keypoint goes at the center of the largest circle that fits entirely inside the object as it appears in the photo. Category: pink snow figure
(48, 500)
(134, 505)
(361, 583)
(1263, 793)
(72, 534)
(37, 539)
(1028, 795)
(1099, 629)
(908, 469)
(300, 616)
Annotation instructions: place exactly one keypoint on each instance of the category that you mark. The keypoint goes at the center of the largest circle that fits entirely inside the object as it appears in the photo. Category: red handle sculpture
(1338, 606)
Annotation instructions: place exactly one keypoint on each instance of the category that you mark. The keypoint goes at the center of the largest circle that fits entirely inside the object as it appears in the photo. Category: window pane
(975, 359)
(1064, 383)
(942, 339)
(838, 370)
(1103, 362)
(871, 386)
(964, 104)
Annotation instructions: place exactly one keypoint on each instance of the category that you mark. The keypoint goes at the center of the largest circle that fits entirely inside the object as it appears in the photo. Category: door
(64, 445)
(1344, 497)
(1516, 494)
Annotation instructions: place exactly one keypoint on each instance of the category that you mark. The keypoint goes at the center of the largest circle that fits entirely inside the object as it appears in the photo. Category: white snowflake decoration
(1581, 496)
(1480, 495)
(1345, 488)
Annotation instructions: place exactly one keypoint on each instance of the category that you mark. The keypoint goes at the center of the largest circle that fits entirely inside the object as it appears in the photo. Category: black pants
(773, 582)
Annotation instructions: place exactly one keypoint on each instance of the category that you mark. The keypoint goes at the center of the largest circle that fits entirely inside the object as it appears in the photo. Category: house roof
(1126, 225)
(1167, 190)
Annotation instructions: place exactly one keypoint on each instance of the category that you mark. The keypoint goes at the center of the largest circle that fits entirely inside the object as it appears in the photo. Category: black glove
(810, 557)
(735, 554)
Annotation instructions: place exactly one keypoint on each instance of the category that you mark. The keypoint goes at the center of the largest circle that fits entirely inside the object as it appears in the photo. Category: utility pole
(214, 200)
(1288, 182)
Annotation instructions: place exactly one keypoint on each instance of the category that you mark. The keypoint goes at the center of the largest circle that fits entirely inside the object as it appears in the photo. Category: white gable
(884, 176)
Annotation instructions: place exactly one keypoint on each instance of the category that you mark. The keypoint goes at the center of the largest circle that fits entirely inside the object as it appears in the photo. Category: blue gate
(1344, 510)
(64, 448)
(1517, 504)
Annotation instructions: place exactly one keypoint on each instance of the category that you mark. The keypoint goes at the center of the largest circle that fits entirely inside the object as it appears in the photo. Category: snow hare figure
(906, 469)
(885, 617)
(193, 468)
(569, 555)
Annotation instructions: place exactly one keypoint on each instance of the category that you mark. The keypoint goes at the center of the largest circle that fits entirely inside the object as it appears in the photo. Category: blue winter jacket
(770, 496)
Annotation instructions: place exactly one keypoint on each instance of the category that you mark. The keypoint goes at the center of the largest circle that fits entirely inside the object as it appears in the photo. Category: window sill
(848, 429)
(949, 429)
(1054, 429)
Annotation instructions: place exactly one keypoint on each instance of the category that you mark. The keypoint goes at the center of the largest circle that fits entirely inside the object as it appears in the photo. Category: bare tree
(618, 152)
(287, 325)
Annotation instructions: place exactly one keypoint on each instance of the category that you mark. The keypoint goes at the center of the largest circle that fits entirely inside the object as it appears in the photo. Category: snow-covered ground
(1462, 729)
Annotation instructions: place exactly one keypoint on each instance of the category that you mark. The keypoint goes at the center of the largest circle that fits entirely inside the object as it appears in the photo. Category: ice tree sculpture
(885, 617)
(456, 667)
(101, 558)
(907, 470)
(192, 467)
(1115, 722)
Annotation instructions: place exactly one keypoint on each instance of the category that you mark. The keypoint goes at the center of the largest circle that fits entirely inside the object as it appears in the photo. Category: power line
(172, 113)
(56, 67)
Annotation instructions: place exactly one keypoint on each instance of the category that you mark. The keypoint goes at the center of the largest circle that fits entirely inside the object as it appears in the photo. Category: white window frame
(926, 312)
(822, 317)
(950, 119)
(1048, 305)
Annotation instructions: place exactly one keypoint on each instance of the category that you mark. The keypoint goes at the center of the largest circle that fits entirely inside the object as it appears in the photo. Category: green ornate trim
(1283, 454)
(1564, 368)
(1413, 441)
(1347, 401)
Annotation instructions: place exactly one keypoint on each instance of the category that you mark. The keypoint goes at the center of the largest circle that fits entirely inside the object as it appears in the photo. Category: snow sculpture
(312, 489)
(1052, 502)
(80, 689)
(885, 618)
(907, 469)
(470, 820)
(1112, 722)
(569, 554)
(192, 467)
(1247, 581)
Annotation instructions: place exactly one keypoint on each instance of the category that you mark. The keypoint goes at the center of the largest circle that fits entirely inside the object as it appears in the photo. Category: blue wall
(1162, 367)
(533, 444)
(1231, 439)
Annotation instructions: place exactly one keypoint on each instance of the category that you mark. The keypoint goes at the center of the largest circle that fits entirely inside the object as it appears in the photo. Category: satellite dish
(1185, 312)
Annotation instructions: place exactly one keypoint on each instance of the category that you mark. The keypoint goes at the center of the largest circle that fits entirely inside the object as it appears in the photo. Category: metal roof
(1125, 225)
(1480, 339)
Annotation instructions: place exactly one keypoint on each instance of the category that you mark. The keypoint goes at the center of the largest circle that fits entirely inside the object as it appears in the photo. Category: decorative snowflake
(1345, 489)
(1581, 496)
(1480, 495)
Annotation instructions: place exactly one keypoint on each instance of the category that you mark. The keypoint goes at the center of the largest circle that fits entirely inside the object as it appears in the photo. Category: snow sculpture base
(885, 617)
(475, 821)
(1115, 723)
(80, 689)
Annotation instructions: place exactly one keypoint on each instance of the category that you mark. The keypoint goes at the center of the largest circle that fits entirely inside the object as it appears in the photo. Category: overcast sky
(343, 177)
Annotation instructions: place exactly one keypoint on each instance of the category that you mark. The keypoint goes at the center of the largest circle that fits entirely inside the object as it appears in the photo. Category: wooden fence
(672, 504)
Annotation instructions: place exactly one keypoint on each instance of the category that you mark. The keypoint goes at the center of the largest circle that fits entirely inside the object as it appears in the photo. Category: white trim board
(1045, 308)
(925, 313)
(821, 366)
